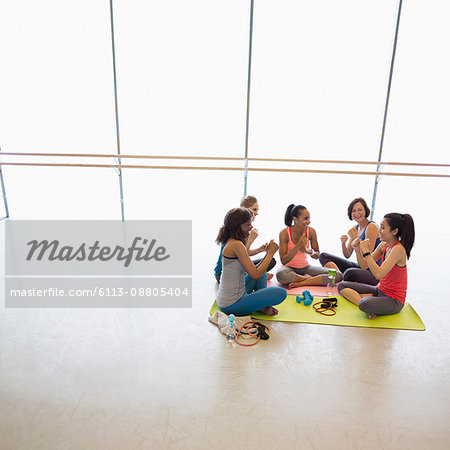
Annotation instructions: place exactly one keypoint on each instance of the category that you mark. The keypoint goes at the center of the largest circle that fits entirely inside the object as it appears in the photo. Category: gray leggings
(378, 304)
(287, 274)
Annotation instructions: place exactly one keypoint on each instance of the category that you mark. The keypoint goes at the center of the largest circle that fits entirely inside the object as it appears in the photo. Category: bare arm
(396, 256)
(240, 251)
(236, 249)
(347, 249)
(251, 239)
(314, 243)
(372, 234)
(377, 254)
(371, 237)
(253, 235)
(263, 248)
(286, 256)
(359, 258)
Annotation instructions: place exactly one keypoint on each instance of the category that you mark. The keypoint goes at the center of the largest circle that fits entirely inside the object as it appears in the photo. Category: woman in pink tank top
(297, 242)
(397, 239)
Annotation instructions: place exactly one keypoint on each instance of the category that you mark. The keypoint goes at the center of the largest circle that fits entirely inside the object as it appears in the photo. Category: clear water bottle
(231, 328)
(331, 282)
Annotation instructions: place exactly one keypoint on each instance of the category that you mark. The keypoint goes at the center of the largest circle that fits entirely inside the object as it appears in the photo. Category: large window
(182, 76)
(320, 77)
(56, 90)
(318, 89)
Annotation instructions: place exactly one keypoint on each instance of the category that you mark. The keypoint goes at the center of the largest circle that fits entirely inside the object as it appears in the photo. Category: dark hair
(352, 204)
(248, 201)
(291, 212)
(231, 227)
(405, 226)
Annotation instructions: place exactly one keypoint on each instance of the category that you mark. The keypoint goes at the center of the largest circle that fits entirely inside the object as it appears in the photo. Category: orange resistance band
(325, 311)
(247, 327)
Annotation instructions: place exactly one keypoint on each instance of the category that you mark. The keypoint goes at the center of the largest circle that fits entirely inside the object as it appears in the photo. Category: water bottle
(231, 328)
(331, 282)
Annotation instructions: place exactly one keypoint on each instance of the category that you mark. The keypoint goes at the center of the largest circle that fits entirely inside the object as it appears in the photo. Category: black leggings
(350, 269)
(378, 303)
(255, 262)
(271, 264)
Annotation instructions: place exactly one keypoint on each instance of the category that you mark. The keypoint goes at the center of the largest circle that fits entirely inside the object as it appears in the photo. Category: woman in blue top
(364, 229)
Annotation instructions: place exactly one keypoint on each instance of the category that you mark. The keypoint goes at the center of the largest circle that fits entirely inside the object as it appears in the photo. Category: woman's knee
(343, 285)
(280, 295)
(351, 274)
(272, 264)
(372, 305)
(324, 258)
(380, 305)
(364, 306)
(284, 276)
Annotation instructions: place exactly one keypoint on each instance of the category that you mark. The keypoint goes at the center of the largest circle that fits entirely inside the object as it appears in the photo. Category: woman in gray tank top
(243, 287)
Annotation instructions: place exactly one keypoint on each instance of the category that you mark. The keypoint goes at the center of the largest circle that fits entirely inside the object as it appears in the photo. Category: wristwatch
(366, 254)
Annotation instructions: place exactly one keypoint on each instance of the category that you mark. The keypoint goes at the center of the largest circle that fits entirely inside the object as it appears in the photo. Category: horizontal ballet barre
(250, 169)
(225, 158)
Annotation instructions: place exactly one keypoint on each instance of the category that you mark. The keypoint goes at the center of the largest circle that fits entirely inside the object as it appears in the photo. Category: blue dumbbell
(306, 297)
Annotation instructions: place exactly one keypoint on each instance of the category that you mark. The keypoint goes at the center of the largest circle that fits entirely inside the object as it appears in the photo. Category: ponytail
(291, 212)
(408, 233)
(405, 226)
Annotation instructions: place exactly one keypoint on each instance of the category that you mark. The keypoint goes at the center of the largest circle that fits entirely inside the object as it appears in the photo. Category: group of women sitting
(376, 282)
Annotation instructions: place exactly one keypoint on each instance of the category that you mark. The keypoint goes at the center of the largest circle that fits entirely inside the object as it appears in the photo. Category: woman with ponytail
(240, 293)
(297, 241)
(397, 239)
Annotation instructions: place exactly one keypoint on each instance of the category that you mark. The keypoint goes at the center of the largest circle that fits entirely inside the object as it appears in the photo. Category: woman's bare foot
(301, 280)
(372, 316)
(269, 276)
(269, 311)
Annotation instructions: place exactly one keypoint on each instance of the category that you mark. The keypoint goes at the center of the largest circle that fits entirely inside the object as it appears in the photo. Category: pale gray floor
(167, 379)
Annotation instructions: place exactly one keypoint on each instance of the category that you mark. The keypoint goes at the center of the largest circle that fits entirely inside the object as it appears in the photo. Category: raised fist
(353, 232)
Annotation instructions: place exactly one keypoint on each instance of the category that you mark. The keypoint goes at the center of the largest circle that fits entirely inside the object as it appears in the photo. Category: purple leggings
(350, 269)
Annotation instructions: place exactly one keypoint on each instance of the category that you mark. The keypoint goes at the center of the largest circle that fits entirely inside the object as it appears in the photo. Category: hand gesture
(253, 234)
(344, 238)
(263, 247)
(364, 246)
(355, 243)
(272, 247)
(353, 232)
(302, 243)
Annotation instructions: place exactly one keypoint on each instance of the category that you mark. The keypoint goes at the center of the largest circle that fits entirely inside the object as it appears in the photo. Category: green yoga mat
(347, 314)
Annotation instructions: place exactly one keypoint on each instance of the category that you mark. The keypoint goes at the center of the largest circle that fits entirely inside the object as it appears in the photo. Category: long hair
(231, 227)
(405, 226)
(291, 212)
